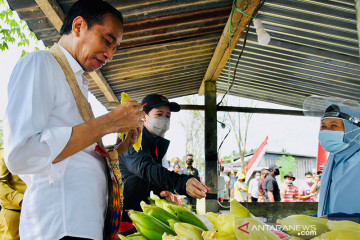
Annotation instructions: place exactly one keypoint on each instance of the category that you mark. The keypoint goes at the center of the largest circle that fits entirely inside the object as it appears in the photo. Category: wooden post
(211, 178)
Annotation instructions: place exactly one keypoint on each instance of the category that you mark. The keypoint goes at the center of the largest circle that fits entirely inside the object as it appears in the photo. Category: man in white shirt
(253, 187)
(47, 142)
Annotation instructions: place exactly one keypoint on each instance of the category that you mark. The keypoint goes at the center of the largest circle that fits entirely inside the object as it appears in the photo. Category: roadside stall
(214, 48)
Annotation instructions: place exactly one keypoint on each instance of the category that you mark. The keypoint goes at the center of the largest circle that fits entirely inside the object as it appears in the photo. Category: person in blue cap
(340, 136)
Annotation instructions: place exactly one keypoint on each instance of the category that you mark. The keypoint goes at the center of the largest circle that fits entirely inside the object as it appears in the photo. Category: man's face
(176, 160)
(189, 160)
(263, 175)
(96, 46)
(257, 174)
(275, 171)
(176, 169)
(308, 176)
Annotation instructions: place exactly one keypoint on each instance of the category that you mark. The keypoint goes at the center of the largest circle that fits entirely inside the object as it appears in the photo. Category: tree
(240, 124)
(193, 124)
(15, 31)
(287, 164)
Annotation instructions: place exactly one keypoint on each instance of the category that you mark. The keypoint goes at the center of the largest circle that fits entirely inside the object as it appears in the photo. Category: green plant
(287, 164)
(14, 31)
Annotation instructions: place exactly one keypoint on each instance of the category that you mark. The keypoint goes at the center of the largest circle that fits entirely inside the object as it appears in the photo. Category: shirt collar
(75, 66)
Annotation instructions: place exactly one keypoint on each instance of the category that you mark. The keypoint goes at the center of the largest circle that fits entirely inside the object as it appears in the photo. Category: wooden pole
(211, 177)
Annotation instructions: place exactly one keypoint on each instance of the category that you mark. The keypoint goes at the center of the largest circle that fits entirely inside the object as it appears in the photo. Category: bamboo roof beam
(221, 53)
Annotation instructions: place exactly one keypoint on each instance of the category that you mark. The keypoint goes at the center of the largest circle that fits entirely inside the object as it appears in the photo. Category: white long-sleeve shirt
(67, 198)
(253, 187)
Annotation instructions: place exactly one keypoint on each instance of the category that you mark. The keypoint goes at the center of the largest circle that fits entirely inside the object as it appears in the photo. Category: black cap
(156, 100)
(290, 175)
(273, 167)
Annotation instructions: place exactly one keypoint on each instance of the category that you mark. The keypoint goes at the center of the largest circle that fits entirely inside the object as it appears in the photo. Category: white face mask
(257, 177)
(159, 126)
(308, 180)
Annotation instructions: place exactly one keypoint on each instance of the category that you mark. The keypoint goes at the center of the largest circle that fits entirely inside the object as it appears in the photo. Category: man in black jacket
(191, 171)
(143, 171)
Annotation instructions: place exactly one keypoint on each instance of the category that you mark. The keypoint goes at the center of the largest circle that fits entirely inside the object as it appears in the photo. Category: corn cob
(148, 226)
(188, 230)
(186, 216)
(251, 228)
(339, 235)
(171, 237)
(213, 235)
(226, 223)
(164, 204)
(239, 210)
(134, 236)
(123, 135)
(213, 219)
(300, 225)
(343, 225)
(172, 224)
(292, 238)
(153, 196)
(158, 213)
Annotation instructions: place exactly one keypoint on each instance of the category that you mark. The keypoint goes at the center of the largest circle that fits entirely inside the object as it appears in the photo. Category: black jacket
(142, 172)
(192, 172)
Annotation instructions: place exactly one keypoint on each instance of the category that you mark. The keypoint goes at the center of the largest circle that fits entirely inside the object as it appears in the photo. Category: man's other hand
(170, 197)
(196, 189)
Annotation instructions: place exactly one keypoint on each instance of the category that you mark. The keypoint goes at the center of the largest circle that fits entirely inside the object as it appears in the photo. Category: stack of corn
(162, 219)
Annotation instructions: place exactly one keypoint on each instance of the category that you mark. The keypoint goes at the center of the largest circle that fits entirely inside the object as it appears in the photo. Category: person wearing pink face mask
(305, 190)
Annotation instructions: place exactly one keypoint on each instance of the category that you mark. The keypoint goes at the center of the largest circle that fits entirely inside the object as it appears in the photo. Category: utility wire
(261, 3)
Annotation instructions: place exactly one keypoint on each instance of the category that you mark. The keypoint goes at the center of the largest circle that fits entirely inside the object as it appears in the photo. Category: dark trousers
(254, 199)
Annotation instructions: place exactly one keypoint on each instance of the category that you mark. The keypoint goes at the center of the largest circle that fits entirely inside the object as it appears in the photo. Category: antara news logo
(302, 230)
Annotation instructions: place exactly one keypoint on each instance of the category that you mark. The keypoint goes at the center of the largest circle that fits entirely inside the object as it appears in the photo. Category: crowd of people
(264, 187)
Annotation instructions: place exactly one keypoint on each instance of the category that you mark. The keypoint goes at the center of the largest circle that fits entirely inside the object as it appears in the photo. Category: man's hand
(127, 116)
(133, 136)
(131, 139)
(170, 197)
(196, 189)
